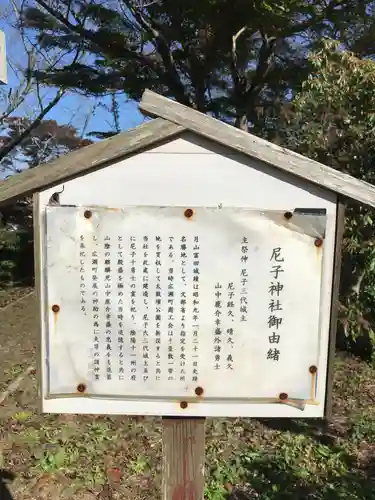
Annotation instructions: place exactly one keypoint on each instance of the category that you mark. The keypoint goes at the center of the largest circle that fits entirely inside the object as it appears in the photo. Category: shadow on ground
(5, 478)
(275, 477)
(269, 481)
(317, 429)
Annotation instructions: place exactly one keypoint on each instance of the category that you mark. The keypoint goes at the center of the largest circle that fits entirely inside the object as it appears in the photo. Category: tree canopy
(256, 64)
(237, 59)
(332, 119)
(45, 142)
(42, 143)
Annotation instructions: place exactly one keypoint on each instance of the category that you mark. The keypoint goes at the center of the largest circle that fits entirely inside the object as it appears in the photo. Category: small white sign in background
(3, 60)
(185, 305)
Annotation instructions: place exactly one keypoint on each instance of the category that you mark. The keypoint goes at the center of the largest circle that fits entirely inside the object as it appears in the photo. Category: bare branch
(15, 142)
(143, 5)
(234, 41)
(235, 70)
(16, 97)
(87, 119)
(88, 36)
(246, 90)
(356, 288)
(38, 95)
(115, 112)
(15, 9)
(264, 62)
(240, 84)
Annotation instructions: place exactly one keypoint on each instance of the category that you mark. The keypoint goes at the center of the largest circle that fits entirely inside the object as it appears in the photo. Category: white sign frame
(156, 177)
(3, 60)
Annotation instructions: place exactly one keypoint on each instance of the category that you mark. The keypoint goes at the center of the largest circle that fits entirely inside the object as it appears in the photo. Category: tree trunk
(242, 121)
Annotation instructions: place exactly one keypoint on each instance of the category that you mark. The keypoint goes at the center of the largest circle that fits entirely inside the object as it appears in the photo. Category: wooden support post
(183, 458)
(340, 228)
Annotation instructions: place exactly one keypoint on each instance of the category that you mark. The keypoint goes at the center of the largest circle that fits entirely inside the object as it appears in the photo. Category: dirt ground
(57, 457)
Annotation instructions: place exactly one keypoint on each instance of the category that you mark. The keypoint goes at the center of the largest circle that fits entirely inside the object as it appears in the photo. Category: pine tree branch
(247, 91)
(90, 37)
(264, 64)
(162, 47)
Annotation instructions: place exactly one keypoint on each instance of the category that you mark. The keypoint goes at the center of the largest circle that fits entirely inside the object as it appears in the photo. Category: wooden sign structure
(187, 269)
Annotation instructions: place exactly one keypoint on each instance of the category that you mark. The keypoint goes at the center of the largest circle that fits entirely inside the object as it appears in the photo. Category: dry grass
(83, 457)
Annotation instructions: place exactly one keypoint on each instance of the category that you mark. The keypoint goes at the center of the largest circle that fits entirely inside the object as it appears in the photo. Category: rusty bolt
(183, 405)
(199, 391)
(188, 213)
(87, 214)
(55, 308)
(283, 396)
(81, 387)
(313, 369)
(318, 242)
(288, 215)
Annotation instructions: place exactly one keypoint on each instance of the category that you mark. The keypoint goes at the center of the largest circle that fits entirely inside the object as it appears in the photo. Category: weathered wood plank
(183, 458)
(340, 228)
(39, 292)
(87, 159)
(284, 159)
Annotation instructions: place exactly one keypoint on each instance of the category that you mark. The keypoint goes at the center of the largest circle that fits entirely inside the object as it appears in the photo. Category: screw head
(283, 396)
(318, 242)
(313, 369)
(183, 405)
(288, 215)
(87, 214)
(55, 308)
(199, 391)
(81, 387)
(189, 213)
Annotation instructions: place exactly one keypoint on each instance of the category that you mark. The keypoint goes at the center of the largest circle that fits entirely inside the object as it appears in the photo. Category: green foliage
(16, 257)
(363, 429)
(295, 466)
(244, 62)
(332, 120)
(246, 459)
(236, 59)
(221, 474)
(44, 143)
(140, 465)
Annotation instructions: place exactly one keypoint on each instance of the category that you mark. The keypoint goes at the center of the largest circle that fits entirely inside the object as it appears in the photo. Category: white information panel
(180, 304)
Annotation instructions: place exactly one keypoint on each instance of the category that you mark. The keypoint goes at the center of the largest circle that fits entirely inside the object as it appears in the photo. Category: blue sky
(82, 112)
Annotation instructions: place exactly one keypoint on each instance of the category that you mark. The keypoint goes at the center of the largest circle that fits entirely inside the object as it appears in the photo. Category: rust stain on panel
(81, 388)
(283, 396)
(199, 391)
(188, 213)
(55, 309)
(313, 370)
